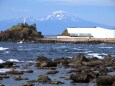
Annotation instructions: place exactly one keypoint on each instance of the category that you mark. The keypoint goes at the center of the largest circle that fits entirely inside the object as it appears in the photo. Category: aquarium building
(95, 32)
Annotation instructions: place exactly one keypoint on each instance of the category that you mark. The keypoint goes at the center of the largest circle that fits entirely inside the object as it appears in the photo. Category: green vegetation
(65, 33)
(20, 32)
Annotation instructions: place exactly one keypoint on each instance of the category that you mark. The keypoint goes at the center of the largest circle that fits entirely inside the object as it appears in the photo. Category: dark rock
(113, 83)
(42, 58)
(56, 82)
(52, 72)
(81, 77)
(6, 64)
(14, 72)
(20, 78)
(4, 76)
(32, 81)
(105, 80)
(45, 62)
(93, 58)
(1, 77)
(28, 84)
(103, 70)
(108, 60)
(28, 71)
(1, 84)
(63, 61)
(80, 58)
(44, 79)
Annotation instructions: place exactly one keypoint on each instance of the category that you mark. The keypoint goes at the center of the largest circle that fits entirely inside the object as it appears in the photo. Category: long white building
(96, 32)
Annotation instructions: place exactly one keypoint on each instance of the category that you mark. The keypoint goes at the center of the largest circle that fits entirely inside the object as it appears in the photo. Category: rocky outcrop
(20, 32)
(6, 64)
(45, 62)
(105, 80)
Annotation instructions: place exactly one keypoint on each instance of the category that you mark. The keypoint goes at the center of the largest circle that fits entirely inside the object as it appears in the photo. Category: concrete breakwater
(77, 40)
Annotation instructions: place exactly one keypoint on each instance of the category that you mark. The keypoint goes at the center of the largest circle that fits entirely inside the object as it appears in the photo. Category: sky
(99, 11)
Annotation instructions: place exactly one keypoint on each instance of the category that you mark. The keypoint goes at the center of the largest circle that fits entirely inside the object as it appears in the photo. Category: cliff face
(20, 32)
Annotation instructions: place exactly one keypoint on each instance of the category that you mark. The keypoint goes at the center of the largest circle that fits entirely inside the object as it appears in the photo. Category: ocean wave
(105, 47)
(4, 70)
(13, 60)
(1, 61)
(2, 48)
(95, 55)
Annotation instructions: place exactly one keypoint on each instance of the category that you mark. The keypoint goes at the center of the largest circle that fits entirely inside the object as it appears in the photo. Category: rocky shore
(79, 69)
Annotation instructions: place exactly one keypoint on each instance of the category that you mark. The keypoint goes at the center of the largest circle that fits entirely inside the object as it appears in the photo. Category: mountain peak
(57, 15)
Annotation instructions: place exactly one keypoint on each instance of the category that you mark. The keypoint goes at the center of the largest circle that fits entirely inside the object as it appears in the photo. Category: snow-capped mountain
(53, 24)
(60, 15)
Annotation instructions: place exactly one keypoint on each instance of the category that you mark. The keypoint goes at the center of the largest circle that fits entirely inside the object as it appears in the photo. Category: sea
(28, 52)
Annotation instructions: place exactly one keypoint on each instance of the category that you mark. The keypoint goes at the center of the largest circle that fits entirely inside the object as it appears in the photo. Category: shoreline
(79, 40)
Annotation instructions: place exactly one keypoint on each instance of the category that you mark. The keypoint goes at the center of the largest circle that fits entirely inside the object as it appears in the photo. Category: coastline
(76, 40)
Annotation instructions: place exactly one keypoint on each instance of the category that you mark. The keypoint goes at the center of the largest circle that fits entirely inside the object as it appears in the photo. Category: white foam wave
(4, 70)
(95, 55)
(1, 48)
(13, 60)
(106, 47)
(1, 61)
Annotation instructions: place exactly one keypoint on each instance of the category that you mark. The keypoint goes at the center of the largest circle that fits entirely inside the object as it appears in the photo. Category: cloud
(84, 2)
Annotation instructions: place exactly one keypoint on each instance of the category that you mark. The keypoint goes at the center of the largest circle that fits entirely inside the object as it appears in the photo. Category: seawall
(77, 40)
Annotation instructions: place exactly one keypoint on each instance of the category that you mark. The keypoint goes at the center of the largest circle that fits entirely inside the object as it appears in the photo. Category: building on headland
(95, 32)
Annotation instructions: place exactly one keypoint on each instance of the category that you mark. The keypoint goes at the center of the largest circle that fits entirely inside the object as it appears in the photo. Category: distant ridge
(54, 23)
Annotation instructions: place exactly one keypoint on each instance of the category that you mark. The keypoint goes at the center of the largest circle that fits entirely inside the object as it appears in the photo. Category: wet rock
(108, 60)
(20, 78)
(41, 59)
(45, 62)
(78, 60)
(28, 71)
(6, 64)
(1, 77)
(44, 79)
(52, 72)
(4, 76)
(56, 82)
(113, 83)
(81, 77)
(1, 84)
(28, 84)
(32, 81)
(105, 80)
(103, 70)
(63, 61)
(13, 71)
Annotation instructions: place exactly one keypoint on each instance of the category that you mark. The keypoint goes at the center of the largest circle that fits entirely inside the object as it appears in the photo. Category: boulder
(1, 84)
(20, 78)
(80, 58)
(13, 71)
(103, 70)
(41, 59)
(56, 82)
(6, 64)
(108, 60)
(63, 61)
(52, 72)
(45, 62)
(81, 77)
(105, 80)
(44, 79)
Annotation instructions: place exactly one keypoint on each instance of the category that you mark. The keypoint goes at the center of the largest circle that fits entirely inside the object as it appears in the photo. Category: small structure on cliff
(95, 32)
(22, 31)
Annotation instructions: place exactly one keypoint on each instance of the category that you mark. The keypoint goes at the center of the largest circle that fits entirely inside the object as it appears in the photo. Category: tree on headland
(19, 32)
